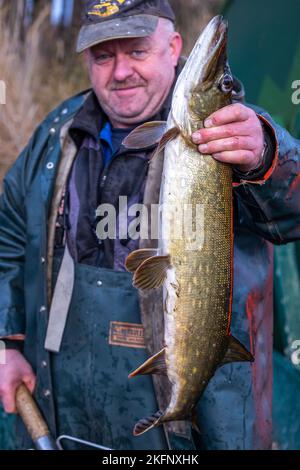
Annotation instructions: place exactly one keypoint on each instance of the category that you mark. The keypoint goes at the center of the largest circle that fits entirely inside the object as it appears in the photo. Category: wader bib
(102, 344)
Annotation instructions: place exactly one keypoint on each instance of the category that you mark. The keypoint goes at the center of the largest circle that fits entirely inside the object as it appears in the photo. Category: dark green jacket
(267, 211)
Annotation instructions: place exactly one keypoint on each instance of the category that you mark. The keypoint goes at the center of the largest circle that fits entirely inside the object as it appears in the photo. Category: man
(48, 241)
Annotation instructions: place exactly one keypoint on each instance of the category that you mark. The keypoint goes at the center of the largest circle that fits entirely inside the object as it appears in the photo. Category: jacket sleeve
(13, 219)
(270, 206)
(12, 251)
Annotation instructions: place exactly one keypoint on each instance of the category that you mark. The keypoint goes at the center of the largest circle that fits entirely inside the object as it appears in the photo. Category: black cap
(115, 19)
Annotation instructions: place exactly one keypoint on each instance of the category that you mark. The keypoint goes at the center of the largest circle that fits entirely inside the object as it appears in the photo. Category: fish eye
(226, 83)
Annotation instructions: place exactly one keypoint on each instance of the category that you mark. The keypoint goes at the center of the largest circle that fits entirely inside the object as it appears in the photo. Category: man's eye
(100, 58)
(138, 54)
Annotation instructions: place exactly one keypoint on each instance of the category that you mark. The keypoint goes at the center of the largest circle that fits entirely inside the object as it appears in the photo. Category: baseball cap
(117, 19)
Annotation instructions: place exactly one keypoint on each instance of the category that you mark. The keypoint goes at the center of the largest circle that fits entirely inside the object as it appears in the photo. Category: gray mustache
(125, 85)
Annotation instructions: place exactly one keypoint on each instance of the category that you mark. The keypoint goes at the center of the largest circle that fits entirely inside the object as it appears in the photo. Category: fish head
(206, 83)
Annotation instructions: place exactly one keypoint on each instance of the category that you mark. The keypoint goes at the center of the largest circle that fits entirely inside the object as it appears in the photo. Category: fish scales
(204, 309)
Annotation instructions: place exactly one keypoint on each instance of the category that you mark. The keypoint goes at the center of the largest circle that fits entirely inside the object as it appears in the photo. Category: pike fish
(195, 268)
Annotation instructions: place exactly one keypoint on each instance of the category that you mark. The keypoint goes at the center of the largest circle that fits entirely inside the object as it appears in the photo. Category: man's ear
(176, 47)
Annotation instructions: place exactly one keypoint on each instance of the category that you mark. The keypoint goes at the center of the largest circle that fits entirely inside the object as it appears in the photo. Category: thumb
(29, 380)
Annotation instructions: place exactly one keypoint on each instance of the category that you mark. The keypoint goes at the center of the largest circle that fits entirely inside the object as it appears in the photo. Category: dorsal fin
(154, 365)
(236, 352)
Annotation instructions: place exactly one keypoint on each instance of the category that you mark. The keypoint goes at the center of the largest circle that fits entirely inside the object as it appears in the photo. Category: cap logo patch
(107, 7)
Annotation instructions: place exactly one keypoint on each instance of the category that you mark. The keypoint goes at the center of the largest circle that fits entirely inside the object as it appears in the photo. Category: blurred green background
(264, 53)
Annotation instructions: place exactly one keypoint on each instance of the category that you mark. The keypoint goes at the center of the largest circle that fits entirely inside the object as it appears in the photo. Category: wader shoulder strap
(64, 286)
(60, 303)
(68, 154)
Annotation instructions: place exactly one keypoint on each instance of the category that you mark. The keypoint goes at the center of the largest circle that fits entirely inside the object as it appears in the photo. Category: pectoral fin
(154, 365)
(145, 135)
(152, 272)
(236, 352)
(137, 257)
(150, 134)
(166, 138)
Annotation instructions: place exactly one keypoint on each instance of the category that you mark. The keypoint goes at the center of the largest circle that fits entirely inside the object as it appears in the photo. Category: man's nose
(123, 68)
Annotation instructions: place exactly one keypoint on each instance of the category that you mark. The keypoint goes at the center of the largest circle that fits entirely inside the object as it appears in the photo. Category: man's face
(132, 77)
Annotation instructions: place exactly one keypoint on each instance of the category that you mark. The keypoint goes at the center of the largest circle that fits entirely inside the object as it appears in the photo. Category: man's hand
(12, 374)
(233, 135)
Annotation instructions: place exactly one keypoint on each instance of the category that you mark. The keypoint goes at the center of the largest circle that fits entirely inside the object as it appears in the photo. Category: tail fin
(194, 421)
(146, 424)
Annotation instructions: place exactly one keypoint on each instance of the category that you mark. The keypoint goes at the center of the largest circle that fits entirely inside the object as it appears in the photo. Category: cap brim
(137, 26)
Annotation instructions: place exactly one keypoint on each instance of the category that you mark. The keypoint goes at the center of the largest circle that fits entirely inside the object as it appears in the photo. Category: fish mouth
(216, 48)
(219, 28)
(206, 62)
(219, 40)
(206, 57)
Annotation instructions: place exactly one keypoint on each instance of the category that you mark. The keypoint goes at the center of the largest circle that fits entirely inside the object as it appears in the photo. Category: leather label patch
(130, 335)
